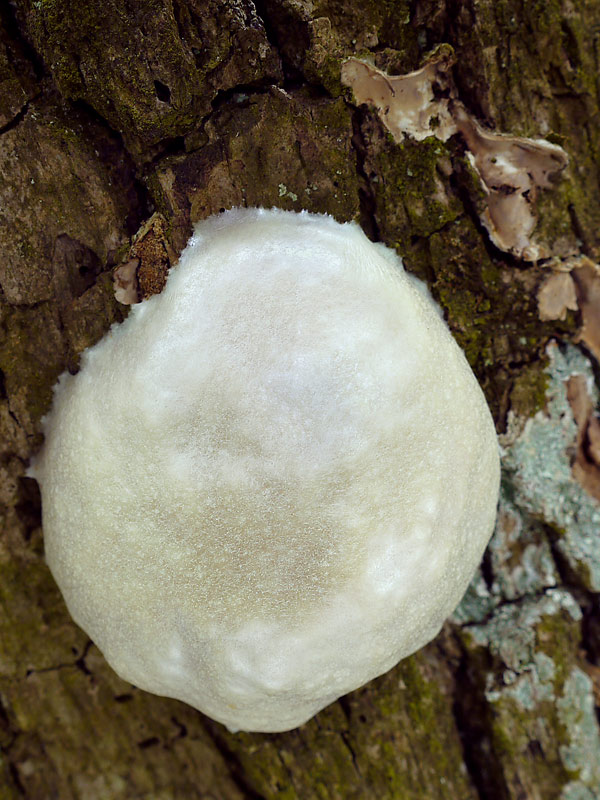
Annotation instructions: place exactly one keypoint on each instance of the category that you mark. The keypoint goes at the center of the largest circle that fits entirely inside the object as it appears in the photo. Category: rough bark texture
(112, 111)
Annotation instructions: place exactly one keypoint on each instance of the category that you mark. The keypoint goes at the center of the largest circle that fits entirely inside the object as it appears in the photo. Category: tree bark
(122, 124)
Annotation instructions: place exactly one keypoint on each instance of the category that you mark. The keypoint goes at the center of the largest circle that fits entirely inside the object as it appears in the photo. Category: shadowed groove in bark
(219, 737)
(286, 33)
(8, 738)
(19, 117)
(9, 18)
(368, 205)
(141, 207)
(471, 714)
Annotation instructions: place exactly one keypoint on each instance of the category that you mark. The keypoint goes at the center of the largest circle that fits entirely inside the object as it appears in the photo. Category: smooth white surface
(275, 479)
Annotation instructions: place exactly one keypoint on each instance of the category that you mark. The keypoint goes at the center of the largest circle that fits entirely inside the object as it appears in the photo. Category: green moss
(394, 738)
(411, 178)
(493, 316)
(528, 393)
(505, 743)
(464, 310)
(424, 703)
(389, 20)
(421, 708)
(558, 638)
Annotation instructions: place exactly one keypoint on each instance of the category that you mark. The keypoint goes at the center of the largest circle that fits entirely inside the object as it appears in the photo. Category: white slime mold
(275, 479)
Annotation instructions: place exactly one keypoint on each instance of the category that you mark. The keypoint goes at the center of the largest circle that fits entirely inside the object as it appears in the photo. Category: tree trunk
(122, 124)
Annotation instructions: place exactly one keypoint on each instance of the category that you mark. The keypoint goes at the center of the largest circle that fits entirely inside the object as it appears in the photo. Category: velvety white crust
(275, 479)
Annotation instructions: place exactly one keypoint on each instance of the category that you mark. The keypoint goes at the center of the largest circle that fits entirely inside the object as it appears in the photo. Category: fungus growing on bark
(275, 479)
(407, 104)
(556, 296)
(511, 169)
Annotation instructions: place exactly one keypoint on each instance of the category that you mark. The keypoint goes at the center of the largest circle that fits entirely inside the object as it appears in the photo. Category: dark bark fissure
(368, 205)
(471, 714)
(11, 23)
(19, 117)
(234, 764)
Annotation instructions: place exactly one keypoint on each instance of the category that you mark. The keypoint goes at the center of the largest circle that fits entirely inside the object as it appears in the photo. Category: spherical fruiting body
(275, 479)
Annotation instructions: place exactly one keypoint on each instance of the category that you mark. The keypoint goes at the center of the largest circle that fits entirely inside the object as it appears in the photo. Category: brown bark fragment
(587, 281)
(556, 296)
(586, 467)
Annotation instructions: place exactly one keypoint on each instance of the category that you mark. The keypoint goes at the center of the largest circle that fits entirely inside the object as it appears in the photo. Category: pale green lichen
(576, 791)
(510, 633)
(539, 698)
(537, 464)
(529, 689)
(476, 604)
(521, 557)
(581, 753)
(514, 616)
(283, 191)
(538, 492)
